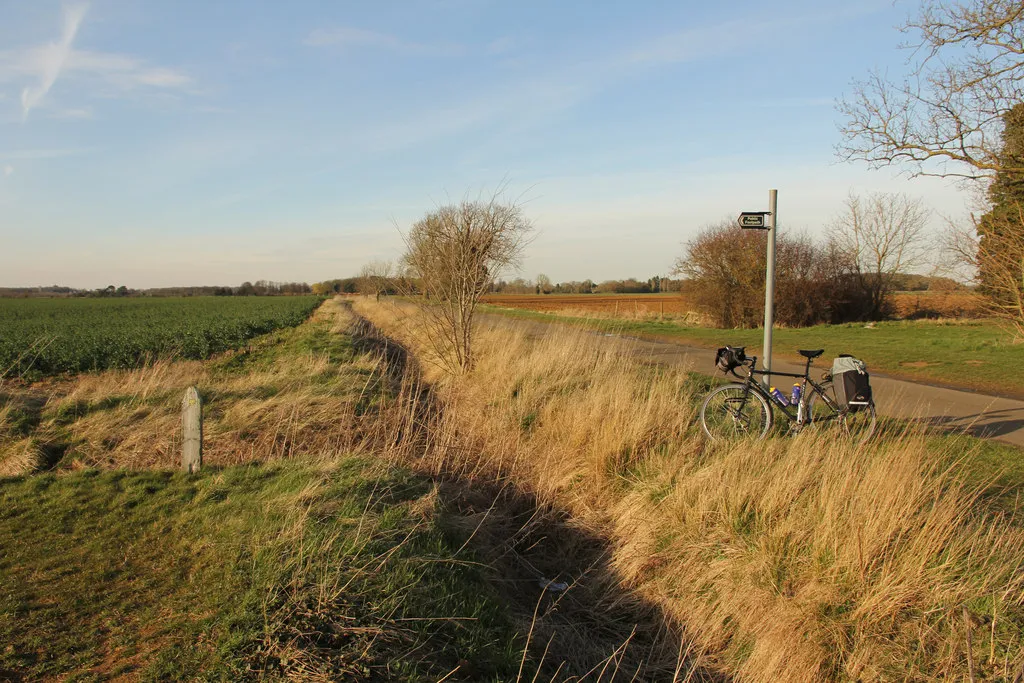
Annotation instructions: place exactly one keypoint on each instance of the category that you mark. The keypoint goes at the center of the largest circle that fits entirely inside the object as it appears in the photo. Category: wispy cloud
(125, 71)
(50, 59)
(109, 74)
(8, 170)
(73, 113)
(350, 37)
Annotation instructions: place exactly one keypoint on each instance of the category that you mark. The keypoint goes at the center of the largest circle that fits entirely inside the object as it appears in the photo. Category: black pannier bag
(851, 382)
(728, 358)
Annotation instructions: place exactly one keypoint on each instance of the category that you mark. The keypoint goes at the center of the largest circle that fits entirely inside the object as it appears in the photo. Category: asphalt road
(981, 415)
(978, 414)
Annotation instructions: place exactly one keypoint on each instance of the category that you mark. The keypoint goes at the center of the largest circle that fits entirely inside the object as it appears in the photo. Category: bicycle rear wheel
(857, 425)
(734, 411)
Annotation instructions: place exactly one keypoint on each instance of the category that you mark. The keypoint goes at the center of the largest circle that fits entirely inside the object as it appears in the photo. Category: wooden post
(192, 431)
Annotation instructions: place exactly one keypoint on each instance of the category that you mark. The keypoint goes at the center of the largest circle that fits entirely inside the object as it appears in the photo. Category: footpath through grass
(971, 355)
(295, 569)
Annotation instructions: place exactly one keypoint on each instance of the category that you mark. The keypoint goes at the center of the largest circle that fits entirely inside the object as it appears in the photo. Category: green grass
(40, 337)
(994, 468)
(245, 573)
(972, 355)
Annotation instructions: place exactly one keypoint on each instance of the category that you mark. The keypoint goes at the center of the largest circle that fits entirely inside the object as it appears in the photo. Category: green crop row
(40, 337)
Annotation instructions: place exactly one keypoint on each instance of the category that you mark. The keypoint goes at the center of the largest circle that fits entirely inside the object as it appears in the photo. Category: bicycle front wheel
(733, 411)
(856, 425)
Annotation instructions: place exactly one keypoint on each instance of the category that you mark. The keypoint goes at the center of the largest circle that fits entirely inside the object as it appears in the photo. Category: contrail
(51, 58)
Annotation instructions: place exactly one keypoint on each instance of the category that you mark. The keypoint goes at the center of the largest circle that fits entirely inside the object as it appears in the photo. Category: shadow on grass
(554, 575)
(986, 425)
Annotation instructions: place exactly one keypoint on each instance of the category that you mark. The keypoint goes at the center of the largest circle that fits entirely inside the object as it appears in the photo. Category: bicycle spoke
(734, 411)
(855, 425)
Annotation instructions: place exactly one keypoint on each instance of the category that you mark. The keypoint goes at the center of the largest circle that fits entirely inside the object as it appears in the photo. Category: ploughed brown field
(674, 303)
(938, 305)
(906, 304)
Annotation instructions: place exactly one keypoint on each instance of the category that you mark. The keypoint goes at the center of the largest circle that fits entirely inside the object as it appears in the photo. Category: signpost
(753, 220)
(766, 220)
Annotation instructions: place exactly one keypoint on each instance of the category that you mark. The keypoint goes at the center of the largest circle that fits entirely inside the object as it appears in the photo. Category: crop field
(606, 304)
(40, 337)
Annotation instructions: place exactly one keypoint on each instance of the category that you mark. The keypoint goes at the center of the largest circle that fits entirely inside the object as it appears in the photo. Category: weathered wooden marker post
(192, 431)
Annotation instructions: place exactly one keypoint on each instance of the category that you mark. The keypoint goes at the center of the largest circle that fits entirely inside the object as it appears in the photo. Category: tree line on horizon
(258, 288)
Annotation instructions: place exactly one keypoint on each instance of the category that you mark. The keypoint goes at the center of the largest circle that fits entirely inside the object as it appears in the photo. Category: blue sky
(154, 143)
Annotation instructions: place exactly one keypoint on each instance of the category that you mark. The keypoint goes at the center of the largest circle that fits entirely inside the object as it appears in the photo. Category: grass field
(972, 354)
(303, 551)
(351, 524)
(310, 570)
(40, 337)
(802, 558)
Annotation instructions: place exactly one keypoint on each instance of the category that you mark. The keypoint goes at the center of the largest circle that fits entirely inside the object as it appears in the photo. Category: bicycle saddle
(811, 354)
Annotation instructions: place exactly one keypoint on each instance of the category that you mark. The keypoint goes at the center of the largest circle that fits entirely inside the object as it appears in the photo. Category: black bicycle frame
(752, 383)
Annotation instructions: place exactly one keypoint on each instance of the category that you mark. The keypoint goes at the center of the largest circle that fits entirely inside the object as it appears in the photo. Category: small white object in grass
(552, 586)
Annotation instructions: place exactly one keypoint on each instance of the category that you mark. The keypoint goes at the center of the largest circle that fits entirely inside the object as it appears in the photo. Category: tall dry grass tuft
(799, 559)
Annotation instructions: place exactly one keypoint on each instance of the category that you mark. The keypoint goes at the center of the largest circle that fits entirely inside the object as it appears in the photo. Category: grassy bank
(296, 390)
(974, 354)
(287, 557)
(308, 548)
(802, 559)
(305, 569)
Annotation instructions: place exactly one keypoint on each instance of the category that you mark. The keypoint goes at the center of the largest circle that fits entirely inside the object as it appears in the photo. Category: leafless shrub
(455, 253)
(880, 235)
(377, 278)
(725, 267)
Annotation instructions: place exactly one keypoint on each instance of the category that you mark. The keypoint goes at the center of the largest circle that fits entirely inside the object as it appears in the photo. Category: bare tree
(544, 285)
(376, 277)
(456, 252)
(880, 235)
(944, 118)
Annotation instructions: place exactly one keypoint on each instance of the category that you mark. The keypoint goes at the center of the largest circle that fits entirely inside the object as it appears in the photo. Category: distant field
(927, 304)
(932, 304)
(40, 337)
(622, 304)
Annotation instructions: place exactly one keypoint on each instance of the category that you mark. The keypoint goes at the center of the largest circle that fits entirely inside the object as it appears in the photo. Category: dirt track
(981, 415)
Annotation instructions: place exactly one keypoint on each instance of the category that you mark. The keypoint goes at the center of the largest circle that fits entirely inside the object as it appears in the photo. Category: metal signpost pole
(769, 284)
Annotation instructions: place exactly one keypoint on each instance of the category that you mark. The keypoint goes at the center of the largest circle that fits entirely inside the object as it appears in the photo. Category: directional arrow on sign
(753, 220)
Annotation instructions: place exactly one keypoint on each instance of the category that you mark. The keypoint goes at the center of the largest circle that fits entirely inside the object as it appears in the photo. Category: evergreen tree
(1000, 230)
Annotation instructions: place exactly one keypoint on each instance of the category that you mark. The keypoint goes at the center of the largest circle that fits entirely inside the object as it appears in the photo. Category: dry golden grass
(265, 404)
(799, 559)
(290, 397)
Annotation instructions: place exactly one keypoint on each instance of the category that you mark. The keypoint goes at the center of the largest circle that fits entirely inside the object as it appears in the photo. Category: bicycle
(745, 409)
